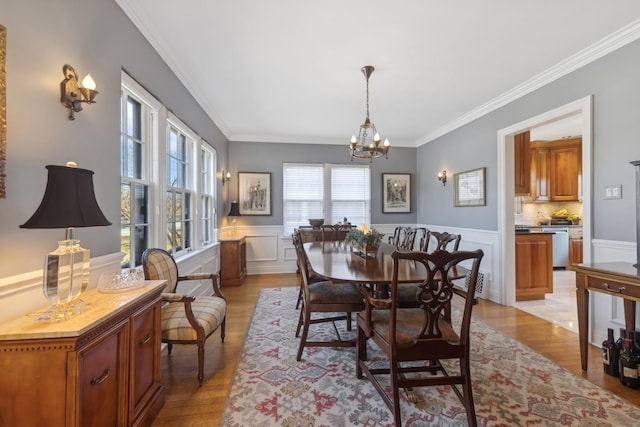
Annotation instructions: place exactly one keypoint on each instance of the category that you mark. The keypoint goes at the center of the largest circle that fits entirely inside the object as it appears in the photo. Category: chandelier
(367, 144)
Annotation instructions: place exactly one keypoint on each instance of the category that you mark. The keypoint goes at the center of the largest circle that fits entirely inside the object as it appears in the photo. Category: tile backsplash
(533, 213)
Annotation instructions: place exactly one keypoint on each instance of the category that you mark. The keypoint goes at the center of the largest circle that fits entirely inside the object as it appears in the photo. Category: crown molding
(613, 42)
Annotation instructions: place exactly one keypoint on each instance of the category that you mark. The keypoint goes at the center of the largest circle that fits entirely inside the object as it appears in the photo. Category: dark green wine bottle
(610, 355)
(629, 365)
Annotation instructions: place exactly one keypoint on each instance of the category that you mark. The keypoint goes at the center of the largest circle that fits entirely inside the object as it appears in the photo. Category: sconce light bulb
(228, 175)
(88, 82)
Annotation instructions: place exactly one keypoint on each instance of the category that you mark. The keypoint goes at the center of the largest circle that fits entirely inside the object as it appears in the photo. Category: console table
(618, 279)
(99, 368)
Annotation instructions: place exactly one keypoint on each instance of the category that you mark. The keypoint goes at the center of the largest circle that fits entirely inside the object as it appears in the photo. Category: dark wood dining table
(338, 262)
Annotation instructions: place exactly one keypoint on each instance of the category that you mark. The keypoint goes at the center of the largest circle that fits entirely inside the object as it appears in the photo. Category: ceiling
(289, 70)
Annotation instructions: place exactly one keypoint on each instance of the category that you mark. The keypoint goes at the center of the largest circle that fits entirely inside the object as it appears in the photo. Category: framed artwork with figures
(396, 192)
(254, 193)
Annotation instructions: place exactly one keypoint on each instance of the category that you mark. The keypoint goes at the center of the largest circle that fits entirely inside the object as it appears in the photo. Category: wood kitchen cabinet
(522, 157)
(534, 265)
(233, 260)
(99, 368)
(575, 245)
(556, 170)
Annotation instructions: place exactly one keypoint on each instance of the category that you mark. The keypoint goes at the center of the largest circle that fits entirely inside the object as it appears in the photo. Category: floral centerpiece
(364, 240)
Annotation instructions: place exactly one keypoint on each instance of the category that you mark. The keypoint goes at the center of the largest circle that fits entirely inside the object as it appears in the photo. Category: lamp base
(66, 276)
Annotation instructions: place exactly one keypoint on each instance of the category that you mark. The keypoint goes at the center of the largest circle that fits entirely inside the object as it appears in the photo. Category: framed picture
(254, 193)
(469, 188)
(396, 192)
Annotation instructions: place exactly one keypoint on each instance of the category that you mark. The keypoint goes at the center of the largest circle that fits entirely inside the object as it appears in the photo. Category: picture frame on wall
(470, 188)
(396, 193)
(254, 193)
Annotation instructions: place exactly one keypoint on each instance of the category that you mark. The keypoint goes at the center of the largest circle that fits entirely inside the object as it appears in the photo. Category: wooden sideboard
(233, 260)
(618, 279)
(99, 368)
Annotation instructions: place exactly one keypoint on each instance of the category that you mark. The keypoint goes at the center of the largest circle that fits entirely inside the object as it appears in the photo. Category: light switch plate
(613, 192)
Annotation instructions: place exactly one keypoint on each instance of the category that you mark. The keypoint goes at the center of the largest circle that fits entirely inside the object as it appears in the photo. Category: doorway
(506, 186)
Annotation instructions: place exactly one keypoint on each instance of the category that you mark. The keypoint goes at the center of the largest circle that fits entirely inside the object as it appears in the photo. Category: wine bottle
(629, 365)
(620, 340)
(610, 355)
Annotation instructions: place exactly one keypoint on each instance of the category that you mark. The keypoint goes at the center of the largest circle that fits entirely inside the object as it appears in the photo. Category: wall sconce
(226, 176)
(72, 95)
(442, 176)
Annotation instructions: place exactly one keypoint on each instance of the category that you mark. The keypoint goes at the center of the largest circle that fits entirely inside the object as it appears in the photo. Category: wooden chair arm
(173, 297)
(186, 300)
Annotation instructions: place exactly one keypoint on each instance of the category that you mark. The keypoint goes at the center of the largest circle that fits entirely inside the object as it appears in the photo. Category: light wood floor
(189, 405)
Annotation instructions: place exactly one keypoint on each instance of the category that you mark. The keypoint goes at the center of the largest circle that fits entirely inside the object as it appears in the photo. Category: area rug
(512, 384)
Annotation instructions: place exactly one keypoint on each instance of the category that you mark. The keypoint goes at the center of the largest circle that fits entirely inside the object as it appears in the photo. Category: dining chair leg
(468, 393)
(300, 321)
(169, 348)
(223, 327)
(395, 397)
(361, 352)
(305, 332)
(349, 321)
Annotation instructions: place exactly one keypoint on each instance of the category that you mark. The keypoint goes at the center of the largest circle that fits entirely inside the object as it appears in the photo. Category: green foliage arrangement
(360, 239)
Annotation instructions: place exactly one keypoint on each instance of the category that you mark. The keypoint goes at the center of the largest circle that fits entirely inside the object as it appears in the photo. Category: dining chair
(442, 241)
(305, 235)
(185, 319)
(399, 235)
(334, 233)
(324, 297)
(420, 334)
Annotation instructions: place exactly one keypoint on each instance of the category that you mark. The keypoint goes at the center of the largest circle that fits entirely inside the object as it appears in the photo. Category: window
(164, 165)
(332, 192)
(207, 162)
(135, 140)
(179, 190)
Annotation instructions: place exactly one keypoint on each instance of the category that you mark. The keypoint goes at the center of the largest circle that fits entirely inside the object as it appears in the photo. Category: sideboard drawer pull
(101, 378)
(619, 290)
(145, 340)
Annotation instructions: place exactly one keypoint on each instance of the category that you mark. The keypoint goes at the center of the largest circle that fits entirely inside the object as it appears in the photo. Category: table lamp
(233, 213)
(69, 202)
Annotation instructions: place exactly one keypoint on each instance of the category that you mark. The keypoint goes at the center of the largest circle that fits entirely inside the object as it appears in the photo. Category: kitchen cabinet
(522, 157)
(99, 368)
(534, 265)
(575, 245)
(556, 170)
(233, 260)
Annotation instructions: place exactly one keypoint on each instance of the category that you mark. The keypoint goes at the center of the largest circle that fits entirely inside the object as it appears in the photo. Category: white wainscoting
(22, 294)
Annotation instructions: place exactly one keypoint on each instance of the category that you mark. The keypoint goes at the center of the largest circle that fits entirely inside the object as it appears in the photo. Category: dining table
(338, 261)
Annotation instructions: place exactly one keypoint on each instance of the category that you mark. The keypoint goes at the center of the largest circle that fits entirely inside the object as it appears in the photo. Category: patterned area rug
(513, 385)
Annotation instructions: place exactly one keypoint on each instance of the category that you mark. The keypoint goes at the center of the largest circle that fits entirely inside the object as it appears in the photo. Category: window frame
(326, 198)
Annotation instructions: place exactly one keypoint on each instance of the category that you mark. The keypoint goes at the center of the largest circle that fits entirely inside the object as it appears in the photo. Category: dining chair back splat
(421, 334)
(186, 319)
(442, 241)
(324, 297)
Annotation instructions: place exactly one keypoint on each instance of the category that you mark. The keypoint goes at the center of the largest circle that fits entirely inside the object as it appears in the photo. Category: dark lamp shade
(235, 209)
(68, 201)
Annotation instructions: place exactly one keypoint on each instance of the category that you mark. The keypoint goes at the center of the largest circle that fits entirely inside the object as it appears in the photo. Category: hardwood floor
(189, 405)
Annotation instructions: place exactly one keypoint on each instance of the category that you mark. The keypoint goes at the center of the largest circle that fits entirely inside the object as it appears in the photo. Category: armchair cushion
(208, 311)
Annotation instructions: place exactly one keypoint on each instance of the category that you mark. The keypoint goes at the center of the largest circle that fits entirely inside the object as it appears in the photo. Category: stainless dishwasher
(560, 245)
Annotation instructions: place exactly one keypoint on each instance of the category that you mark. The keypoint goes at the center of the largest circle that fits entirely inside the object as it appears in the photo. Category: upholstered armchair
(186, 319)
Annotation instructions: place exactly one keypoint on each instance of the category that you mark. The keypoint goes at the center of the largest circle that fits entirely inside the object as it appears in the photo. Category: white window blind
(303, 192)
(332, 192)
(350, 194)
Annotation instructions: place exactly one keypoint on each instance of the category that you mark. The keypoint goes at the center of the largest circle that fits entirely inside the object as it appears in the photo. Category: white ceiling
(289, 70)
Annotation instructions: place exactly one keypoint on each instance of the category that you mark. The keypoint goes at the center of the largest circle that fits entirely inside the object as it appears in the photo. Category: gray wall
(269, 157)
(615, 84)
(93, 36)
